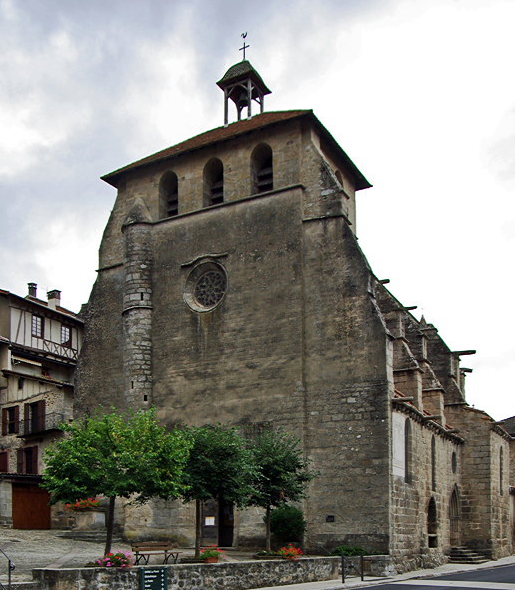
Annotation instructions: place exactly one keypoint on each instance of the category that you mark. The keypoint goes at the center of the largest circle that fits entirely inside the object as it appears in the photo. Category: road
(493, 578)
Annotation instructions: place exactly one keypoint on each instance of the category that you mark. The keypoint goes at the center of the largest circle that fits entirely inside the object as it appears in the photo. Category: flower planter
(210, 560)
(90, 519)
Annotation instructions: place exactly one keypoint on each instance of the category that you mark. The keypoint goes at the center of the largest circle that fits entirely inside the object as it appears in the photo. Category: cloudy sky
(421, 95)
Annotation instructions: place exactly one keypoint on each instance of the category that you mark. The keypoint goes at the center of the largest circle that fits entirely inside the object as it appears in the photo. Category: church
(231, 288)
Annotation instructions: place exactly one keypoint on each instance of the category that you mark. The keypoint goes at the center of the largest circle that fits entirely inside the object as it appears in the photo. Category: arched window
(213, 182)
(262, 169)
(407, 451)
(169, 195)
(501, 468)
(432, 524)
(433, 463)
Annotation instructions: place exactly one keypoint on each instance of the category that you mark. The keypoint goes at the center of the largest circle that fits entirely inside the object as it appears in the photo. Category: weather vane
(244, 36)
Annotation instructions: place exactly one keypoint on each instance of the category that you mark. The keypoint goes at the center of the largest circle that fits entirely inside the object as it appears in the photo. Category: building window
(66, 336)
(4, 462)
(433, 464)
(10, 420)
(169, 195)
(205, 287)
(27, 460)
(407, 451)
(34, 417)
(213, 182)
(38, 326)
(454, 462)
(262, 169)
(501, 473)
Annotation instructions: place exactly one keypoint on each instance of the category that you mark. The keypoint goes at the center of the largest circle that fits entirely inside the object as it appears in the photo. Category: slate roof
(240, 71)
(234, 130)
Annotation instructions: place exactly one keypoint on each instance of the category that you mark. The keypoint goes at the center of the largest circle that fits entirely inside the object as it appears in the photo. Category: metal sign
(153, 578)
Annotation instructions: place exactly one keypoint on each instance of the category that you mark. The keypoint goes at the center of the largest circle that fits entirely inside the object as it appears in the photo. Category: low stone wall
(227, 575)
(377, 566)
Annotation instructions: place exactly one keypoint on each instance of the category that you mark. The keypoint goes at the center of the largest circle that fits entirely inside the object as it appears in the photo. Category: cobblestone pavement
(35, 549)
(39, 549)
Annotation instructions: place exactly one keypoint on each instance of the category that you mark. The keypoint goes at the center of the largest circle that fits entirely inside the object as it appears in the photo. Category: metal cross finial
(244, 35)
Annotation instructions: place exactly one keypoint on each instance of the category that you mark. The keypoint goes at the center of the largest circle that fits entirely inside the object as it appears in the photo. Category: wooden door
(31, 508)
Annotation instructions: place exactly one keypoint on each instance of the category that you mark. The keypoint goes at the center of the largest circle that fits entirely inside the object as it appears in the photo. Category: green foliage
(287, 523)
(282, 471)
(220, 466)
(117, 455)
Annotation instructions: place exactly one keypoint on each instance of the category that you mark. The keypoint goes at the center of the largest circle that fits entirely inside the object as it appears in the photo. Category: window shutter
(34, 466)
(20, 454)
(41, 415)
(26, 419)
(4, 462)
(16, 419)
(4, 421)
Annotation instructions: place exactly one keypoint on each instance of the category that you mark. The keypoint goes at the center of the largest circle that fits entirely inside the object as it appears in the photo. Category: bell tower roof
(242, 84)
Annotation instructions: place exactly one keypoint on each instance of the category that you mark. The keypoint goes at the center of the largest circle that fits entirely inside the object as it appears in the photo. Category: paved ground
(37, 549)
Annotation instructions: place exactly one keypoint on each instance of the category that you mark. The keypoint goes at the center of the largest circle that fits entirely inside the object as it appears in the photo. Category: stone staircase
(464, 555)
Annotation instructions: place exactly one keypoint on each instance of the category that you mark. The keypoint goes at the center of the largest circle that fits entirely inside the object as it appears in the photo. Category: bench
(143, 551)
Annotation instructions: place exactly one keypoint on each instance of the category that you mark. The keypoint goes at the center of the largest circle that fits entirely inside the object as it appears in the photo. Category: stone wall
(229, 576)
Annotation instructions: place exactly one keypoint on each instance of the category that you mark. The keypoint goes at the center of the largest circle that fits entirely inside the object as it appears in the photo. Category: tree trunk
(110, 525)
(198, 528)
(268, 533)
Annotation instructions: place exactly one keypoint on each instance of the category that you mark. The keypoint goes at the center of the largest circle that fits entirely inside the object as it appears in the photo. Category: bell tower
(242, 84)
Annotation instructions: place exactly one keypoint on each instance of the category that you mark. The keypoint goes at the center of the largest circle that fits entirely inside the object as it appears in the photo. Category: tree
(220, 467)
(282, 472)
(117, 454)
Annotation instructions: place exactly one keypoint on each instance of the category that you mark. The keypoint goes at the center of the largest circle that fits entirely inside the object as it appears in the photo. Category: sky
(421, 96)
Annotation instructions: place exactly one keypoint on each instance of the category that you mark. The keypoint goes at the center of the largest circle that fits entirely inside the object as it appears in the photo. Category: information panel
(153, 578)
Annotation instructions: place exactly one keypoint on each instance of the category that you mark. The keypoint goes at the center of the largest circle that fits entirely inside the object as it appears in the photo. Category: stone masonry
(260, 310)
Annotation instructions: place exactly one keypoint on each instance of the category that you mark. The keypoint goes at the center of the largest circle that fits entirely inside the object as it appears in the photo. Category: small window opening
(407, 451)
(145, 398)
(433, 464)
(169, 195)
(262, 169)
(213, 182)
(501, 473)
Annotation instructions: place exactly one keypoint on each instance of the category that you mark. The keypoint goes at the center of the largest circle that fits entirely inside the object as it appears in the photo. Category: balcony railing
(50, 421)
(54, 348)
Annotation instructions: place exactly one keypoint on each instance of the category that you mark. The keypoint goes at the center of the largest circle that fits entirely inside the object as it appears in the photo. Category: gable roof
(232, 131)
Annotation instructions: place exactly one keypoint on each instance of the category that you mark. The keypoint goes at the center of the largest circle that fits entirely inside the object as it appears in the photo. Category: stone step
(91, 536)
(465, 555)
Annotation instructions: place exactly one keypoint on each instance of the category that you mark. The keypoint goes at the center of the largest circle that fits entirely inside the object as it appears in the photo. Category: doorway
(31, 507)
(217, 523)
(454, 519)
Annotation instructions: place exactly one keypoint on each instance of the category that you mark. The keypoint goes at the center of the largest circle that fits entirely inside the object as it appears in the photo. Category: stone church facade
(231, 288)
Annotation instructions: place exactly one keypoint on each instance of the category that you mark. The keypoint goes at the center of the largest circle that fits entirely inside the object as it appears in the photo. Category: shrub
(287, 523)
